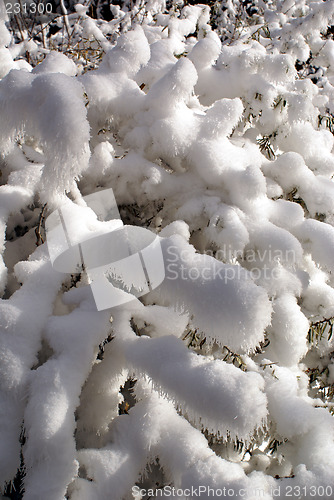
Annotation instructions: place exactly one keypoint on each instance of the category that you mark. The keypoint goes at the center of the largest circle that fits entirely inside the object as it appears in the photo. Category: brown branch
(39, 237)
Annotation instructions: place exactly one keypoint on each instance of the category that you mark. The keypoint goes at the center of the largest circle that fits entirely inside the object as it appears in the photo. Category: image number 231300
(28, 8)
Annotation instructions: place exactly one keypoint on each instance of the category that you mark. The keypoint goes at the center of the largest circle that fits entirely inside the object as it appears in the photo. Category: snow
(289, 329)
(21, 329)
(214, 132)
(298, 421)
(130, 53)
(42, 103)
(237, 312)
(318, 239)
(56, 62)
(183, 452)
(174, 371)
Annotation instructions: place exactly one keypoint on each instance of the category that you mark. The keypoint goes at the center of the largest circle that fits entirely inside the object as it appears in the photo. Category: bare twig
(65, 16)
(39, 237)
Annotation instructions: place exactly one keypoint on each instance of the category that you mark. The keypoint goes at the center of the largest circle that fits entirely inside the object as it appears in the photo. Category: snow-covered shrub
(216, 134)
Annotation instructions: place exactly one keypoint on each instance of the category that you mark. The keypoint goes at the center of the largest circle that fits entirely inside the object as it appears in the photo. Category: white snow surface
(212, 139)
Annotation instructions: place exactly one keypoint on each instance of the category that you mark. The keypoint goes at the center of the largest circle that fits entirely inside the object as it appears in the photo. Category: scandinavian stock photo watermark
(224, 264)
(123, 262)
(204, 491)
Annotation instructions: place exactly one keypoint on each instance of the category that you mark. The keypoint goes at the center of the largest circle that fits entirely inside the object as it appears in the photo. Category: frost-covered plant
(223, 376)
